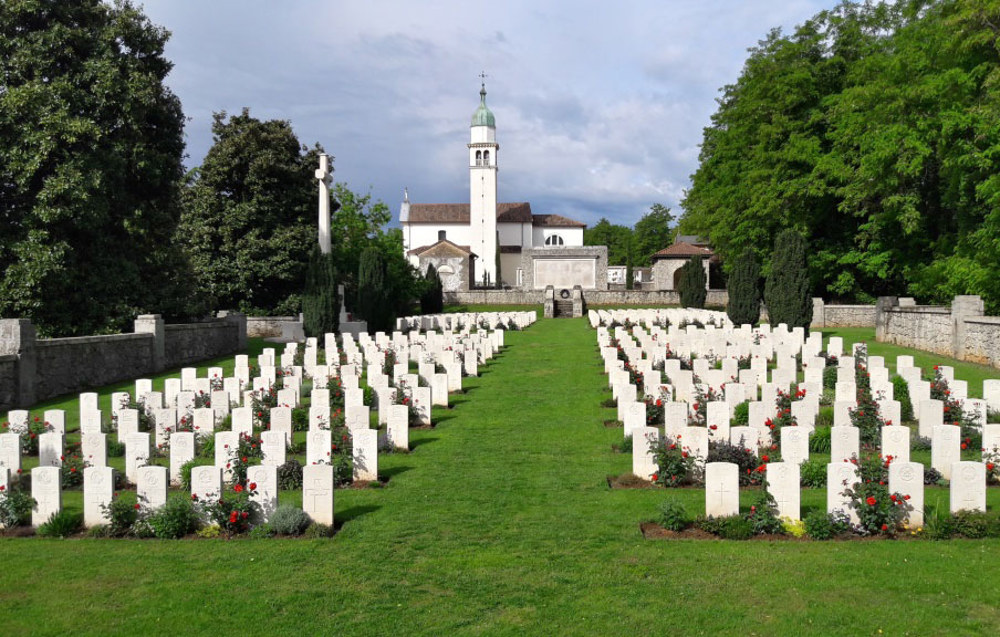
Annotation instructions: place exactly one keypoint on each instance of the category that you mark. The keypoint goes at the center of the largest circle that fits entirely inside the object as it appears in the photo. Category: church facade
(488, 243)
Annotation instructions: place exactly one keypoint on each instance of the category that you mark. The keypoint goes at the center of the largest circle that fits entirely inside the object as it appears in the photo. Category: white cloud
(600, 106)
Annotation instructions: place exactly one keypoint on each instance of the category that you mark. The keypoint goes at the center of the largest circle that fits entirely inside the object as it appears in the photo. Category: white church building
(469, 242)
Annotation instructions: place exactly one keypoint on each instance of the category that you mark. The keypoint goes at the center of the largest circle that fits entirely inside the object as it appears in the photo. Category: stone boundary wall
(267, 326)
(64, 365)
(961, 331)
(33, 369)
(842, 315)
(590, 297)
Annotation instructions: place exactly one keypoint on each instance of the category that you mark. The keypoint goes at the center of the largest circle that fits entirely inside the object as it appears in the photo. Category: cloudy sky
(599, 105)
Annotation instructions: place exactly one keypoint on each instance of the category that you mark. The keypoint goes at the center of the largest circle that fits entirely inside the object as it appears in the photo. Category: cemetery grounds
(500, 521)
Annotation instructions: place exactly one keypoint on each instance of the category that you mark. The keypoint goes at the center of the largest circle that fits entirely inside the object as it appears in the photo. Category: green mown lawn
(501, 522)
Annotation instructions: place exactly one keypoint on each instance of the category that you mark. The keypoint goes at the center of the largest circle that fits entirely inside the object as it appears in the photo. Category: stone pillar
(17, 338)
(153, 324)
(882, 314)
(578, 307)
(550, 302)
(962, 308)
(323, 175)
(240, 321)
(819, 313)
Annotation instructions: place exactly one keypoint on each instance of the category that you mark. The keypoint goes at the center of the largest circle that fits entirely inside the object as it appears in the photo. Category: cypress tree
(744, 290)
(320, 303)
(371, 304)
(629, 270)
(692, 283)
(432, 300)
(786, 291)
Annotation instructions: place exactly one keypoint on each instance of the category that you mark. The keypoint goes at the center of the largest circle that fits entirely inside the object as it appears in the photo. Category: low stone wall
(495, 297)
(267, 326)
(33, 369)
(982, 340)
(184, 344)
(842, 315)
(64, 365)
(961, 331)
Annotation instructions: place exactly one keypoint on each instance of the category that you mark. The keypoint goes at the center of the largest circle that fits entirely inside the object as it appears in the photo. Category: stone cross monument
(323, 175)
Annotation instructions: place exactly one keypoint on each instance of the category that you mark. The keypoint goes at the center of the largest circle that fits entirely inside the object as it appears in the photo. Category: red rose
(137, 506)
(871, 501)
(253, 486)
(885, 527)
(238, 488)
(232, 517)
(656, 477)
(989, 466)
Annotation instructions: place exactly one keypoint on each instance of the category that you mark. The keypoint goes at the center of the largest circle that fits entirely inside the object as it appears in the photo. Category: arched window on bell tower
(486, 158)
(479, 158)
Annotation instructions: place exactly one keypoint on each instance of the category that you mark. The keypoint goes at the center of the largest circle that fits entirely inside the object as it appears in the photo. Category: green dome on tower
(483, 115)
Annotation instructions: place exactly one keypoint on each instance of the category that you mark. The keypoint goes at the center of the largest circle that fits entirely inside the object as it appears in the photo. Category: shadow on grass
(420, 442)
(392, 472)
(352, 513)
(445, 417)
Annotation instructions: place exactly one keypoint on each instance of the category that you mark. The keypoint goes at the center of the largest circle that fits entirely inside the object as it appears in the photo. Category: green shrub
(207, 446)
(825, 417)
(762, 516)
(732, 527)
(741, 415)
(289, 520)
(692, 285)
(261, 532)
(175, 519)
(901, 392)
(975, 525)
(320, 302)
(932, 476)
(736, 454)
(819, 442)
(317, 530)
(16, 505)
(625, 446)
(432, 299)
(825, 526)
(186, 473)
(300, 419)
(829, 377)
(209, 531)
(116, 449)
(62, 524)
(122, 515)
(290, 475)
(786, 291)
(673, 515)
(743, 306)
(812, 474)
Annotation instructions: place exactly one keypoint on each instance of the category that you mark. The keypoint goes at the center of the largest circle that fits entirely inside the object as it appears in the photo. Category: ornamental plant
(122, 514)
(954, 409)
(879, 511)
(693, 284)
(675, 463)
(786, 291)
(751, 467)
(234, 511)
(72, 470)
(16, 505)
(249, 452)
(29, 435)
(700, 407)
(744, 289)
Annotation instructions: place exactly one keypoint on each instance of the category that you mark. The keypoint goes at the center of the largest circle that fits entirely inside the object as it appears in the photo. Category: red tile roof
(556, 221)
(443, 243)
(459, 212)
(682, 251)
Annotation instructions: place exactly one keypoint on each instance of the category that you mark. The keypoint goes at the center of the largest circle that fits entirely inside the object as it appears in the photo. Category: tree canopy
(872, 129)
(91, 141)
(249, 222)
(651, 233)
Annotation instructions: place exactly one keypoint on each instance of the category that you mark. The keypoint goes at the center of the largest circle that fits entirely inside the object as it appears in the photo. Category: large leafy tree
(617, 238)
(91, 142)
(652, 233)
(249, 222)
(873, 128)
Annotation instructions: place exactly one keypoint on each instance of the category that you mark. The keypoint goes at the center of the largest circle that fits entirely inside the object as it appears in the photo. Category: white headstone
(722, 489)
(946, 448)
(10, 452)
(644, 441)
(46, 489)
(318, 445)
(746, 437)
(794, 445)
(94, 449)
(398, 427)
(422, 404)
(841, 476)
(968, 487)
(206, 482)
(204, 422)
(56, 419)
(896, 443)
(136, 454)
(365, 446)
(98, 490)
(181, 452)
(844, 443)
(281, 420)
(50, 450)
(907, 479)
(227, 448)
(151, 486)
(265, 479)
(273, 446)
(931, 416)
(90, 421)
(317, 492)
(242, 421)
(783, 485)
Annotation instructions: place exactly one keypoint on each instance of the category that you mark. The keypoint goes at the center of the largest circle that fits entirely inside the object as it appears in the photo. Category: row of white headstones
(780, 345)
(465, 349)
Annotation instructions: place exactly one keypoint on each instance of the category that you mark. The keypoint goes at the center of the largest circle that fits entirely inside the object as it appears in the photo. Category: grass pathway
(500, 522)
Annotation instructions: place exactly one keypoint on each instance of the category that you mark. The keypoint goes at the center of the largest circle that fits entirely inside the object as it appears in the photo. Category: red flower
(194, 496)
(964, 446)
(656, 477)
(906, 497)
(871, 501)
(885, 527)
(989, 466)
(253, 486)
(137, 507)
(238, 488)
(765, 458)
(244, 515)
(232, 517)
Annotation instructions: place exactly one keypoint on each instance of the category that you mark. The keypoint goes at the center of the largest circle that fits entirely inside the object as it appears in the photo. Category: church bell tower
(483, 149)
